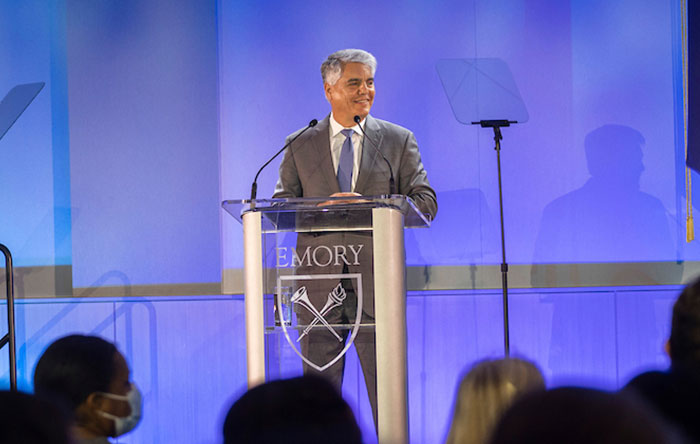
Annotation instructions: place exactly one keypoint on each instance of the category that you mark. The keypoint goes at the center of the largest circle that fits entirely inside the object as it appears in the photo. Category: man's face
(353, 93)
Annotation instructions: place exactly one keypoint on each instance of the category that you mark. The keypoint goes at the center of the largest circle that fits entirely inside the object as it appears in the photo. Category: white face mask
(125, 424)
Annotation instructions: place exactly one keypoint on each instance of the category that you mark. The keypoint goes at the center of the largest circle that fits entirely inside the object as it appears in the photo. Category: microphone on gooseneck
(254, 188)
(392, 185)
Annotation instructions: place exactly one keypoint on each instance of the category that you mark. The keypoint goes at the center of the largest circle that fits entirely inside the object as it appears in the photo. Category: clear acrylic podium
(277, 260)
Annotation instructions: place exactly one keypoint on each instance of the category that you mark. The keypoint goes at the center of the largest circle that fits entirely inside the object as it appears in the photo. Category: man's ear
(667, 348)
(327, 88)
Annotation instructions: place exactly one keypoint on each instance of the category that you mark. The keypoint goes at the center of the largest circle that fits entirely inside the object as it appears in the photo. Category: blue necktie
(346, 162)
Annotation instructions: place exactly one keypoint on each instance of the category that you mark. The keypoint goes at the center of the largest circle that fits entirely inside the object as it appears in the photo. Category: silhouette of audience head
(684, 343)
(578, 415)
(305, 410)
(614, 152)
(28, 419)
(674, 396)
(90, 378)
(488, 389)
(676, 393)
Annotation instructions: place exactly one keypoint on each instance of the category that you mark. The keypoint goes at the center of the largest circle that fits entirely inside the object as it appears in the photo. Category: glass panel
(325, 213)
(15, 102)
(481, 89)
(318, 290)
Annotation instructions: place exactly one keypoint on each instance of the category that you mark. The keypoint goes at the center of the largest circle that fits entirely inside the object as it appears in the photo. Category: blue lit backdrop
(155, 111)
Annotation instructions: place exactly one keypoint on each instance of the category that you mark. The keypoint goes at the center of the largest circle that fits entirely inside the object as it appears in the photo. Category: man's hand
(352, 198)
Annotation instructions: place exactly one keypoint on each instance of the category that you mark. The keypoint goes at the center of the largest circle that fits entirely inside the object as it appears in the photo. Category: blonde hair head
(485, 393)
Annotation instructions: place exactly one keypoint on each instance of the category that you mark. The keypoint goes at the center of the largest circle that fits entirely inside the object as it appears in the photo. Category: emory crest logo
(301, 301)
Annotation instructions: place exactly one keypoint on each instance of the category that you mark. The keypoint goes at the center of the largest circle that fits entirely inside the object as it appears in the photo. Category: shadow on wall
(119, 326)
(608, 219)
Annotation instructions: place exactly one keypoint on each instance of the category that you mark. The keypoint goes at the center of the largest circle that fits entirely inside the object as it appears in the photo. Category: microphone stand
(254, 187)
(392, 184)
(497, 125)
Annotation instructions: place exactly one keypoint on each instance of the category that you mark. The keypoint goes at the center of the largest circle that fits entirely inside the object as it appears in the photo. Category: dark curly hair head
(73, 367)
(685, 328)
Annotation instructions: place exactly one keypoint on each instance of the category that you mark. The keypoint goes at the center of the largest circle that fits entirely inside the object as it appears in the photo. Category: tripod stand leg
(504, 265)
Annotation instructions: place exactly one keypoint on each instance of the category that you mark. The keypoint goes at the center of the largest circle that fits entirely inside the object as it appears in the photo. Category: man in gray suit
(334, 159)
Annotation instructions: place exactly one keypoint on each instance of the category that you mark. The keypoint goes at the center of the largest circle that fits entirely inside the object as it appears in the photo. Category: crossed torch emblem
(335, 299)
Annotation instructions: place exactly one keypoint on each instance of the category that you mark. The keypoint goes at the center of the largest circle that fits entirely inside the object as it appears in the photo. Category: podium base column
(390, 320)
(253, 289)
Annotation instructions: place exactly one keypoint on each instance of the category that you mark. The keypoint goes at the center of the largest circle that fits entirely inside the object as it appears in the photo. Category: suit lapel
(369, 154)
(322, 148)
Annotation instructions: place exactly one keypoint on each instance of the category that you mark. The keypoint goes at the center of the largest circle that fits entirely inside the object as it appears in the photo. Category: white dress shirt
(337, 139)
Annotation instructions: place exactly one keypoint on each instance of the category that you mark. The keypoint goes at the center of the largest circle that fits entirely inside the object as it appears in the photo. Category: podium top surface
(324, 213)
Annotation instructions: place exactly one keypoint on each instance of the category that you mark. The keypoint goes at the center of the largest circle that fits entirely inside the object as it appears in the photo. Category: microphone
(392, 185)
(254, 187)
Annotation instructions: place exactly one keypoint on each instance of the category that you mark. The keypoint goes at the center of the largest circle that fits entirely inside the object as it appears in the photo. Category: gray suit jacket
(307, 171)
(307, 167)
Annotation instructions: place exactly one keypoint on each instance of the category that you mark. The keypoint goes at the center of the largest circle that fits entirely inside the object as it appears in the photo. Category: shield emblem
(302, 302)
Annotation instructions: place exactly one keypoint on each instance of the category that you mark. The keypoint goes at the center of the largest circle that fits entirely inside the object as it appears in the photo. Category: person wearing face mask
(90, 377)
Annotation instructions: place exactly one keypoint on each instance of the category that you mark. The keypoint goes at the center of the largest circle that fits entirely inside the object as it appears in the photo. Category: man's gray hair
(332, 68)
